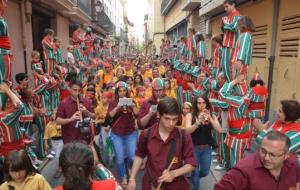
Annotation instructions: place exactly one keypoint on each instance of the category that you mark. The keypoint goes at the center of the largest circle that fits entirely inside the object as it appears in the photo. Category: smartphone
(154, 108)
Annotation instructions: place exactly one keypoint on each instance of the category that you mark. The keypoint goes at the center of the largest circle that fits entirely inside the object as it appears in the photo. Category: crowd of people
(166, 114)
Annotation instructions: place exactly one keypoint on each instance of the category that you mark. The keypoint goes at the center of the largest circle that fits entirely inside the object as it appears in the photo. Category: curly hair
(291, 110)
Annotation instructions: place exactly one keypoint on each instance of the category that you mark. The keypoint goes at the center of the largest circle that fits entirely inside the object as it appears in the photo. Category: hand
(167, 176)
(131, 184)
(75, 116)
(225, 19)
(83, 109)
(4, 88)
(259, 125)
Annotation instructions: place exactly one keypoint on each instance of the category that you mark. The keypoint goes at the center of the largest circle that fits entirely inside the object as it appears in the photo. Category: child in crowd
(54, 135)
(187, 108)
(20, 173)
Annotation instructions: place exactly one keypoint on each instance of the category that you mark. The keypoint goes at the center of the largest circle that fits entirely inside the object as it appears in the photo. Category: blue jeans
(203, 160)
(124, 147)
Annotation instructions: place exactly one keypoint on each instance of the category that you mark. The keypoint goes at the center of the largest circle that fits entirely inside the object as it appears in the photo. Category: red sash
(5, 147)
(5, 43)
(256, 106)
(108, 184)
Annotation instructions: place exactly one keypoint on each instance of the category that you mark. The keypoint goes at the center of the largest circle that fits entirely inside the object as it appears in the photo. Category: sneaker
(52, 153)
(50, 156)
(220, 167)
(213, 153)
(37, 162)
(215, 161)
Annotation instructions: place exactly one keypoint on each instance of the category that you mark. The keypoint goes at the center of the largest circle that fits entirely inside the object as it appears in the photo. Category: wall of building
(62, 26)
(13, 17)
(175, 15)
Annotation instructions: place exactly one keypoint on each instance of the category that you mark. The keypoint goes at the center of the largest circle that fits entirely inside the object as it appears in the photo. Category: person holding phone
(147, 115)
(199, 124)
(123, 134)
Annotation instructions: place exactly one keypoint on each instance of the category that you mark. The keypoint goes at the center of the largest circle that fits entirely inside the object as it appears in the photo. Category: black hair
(76, 82)
(230, 2)
(77, 162)
(20, 76)
(278, 136)
(196, 112)
(291, 110)
(253, 83)
(168, 106)
(17, 160)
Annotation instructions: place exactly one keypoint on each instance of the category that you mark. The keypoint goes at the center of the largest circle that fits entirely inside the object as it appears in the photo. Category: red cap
(107, 94)
(106, 64)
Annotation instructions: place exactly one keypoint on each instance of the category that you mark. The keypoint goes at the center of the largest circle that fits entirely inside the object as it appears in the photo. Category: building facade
(27, 20)
(276, 54)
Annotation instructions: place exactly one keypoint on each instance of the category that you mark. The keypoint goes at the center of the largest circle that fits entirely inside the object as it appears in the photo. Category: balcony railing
(166, 6)
(84, 5)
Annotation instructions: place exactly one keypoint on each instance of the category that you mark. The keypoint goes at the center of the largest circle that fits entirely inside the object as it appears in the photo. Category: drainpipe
(23, 31)
(272, 55)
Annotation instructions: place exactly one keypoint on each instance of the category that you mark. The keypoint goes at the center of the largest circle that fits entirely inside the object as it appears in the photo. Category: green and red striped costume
(5, 58)
(239, 132)
(48, 52)
(11, 137)
(201, 54)
(231, 35)
(243, 51)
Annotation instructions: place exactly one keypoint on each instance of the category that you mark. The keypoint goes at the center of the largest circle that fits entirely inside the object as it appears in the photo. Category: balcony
(104, 22)
(166, 6)
(191, 5)
(84, 5)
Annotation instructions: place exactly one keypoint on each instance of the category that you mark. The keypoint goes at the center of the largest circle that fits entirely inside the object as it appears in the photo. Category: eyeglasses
(272, 156)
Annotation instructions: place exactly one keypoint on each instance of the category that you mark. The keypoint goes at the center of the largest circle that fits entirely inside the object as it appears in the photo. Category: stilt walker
(5, 53)
(242, 56)
(48, 51)
(231, 34)
(41, 100)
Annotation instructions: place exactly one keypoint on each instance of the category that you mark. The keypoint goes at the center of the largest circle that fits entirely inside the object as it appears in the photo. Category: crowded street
(149, 94)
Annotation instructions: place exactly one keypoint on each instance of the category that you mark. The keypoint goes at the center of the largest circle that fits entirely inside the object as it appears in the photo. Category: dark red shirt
(144, 110)
(250, 173)
(65, 110)
(123, 122)
(157, 152)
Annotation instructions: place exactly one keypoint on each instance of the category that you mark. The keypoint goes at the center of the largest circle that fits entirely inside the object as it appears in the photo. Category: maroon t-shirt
(123, 122)
(66, 109)
(144, 110)
(157, 152)
(250, 173)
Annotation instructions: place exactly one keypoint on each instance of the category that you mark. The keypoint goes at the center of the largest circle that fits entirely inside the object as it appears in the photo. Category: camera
(85, 126)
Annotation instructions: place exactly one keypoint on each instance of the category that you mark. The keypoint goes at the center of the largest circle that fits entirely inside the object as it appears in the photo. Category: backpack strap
(172, 149)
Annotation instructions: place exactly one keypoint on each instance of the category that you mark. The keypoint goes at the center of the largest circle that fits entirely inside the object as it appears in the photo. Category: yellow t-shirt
(36, 182)
(171, 93)
(173, 84)
(108, 77)
(148, 74)
(183, 123)
(161, 70)
(148, 92)
(100, 74)
(129, 73)
(52, 130)
(100, 113)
